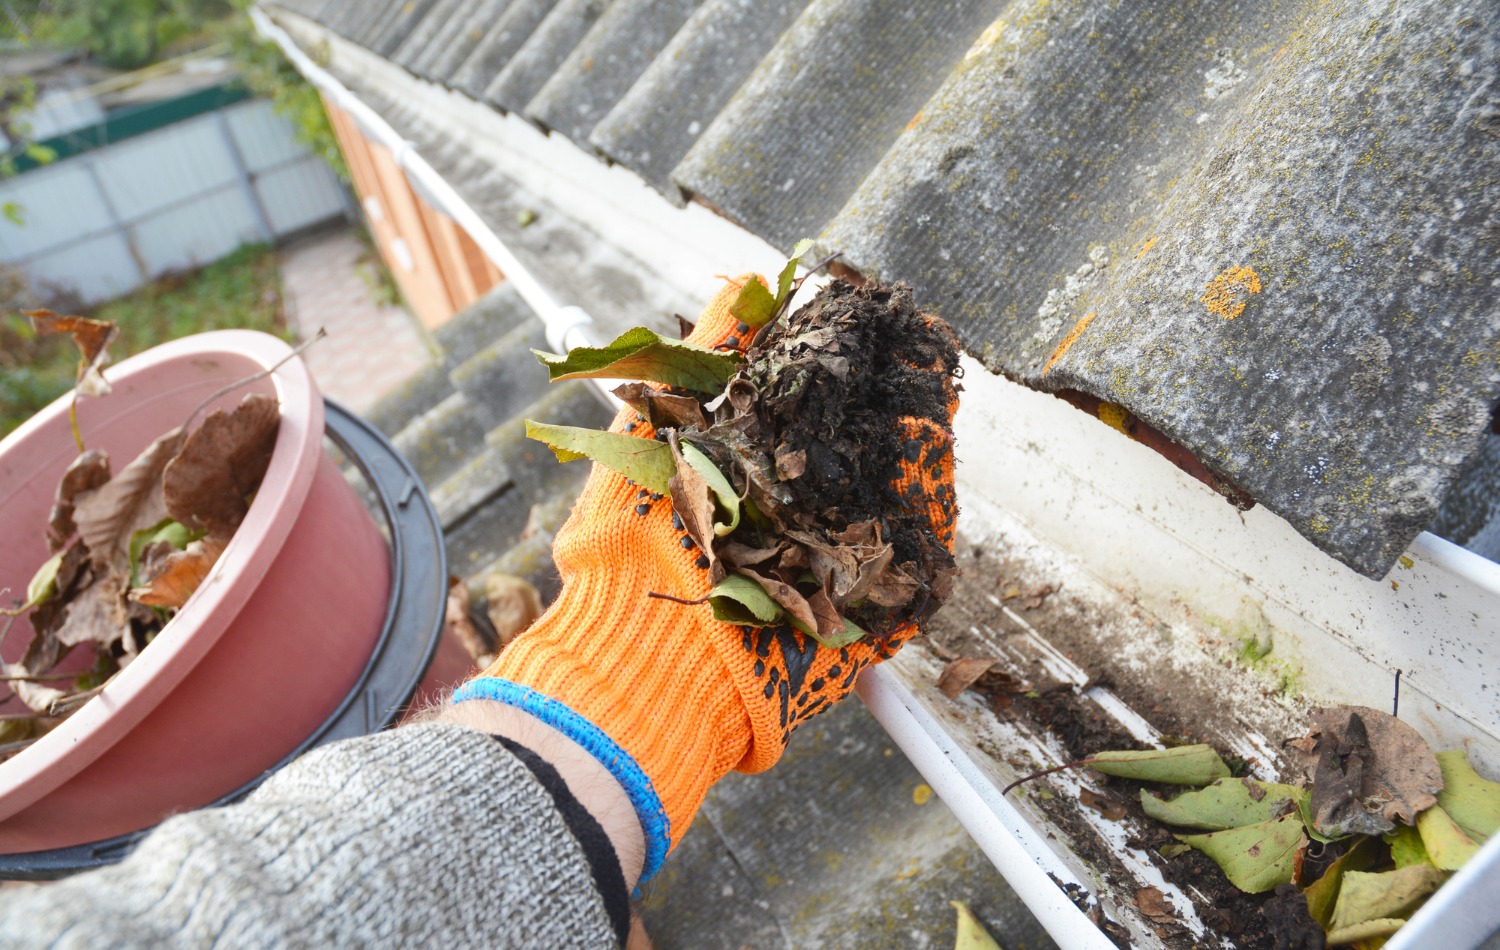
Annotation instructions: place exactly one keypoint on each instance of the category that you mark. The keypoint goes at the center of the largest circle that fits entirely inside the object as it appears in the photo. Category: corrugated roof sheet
(1266, 230)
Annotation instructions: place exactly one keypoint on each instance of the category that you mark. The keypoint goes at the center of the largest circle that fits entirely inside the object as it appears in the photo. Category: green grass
(241, 291)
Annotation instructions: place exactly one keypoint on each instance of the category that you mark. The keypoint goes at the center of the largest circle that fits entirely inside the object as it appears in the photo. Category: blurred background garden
(159, 159)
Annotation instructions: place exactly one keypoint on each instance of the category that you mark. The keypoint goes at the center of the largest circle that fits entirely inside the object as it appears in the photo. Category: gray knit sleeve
(432, 835)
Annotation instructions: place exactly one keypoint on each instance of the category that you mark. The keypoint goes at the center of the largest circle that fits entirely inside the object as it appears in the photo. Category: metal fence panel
(105, 222)
(197, 233)
(152, 172)
(97, 269)
(299, 195)
(263, 138)
(58, 204)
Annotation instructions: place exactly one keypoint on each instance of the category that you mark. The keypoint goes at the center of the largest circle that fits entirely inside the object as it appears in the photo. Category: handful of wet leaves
(129, 547)
(1376, 824)
(783, 463)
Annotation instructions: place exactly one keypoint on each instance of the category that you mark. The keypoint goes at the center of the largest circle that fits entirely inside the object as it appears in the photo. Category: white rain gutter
(1458, 917)
(1016, 849)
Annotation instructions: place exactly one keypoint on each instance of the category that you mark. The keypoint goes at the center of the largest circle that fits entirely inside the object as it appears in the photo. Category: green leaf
(738, 599)
(44, 583)
(754, 306)
(1471, 801)
(173, 532)
(1255, 858)
(641, 354)
(1371, 896)
(1227, 803)
(41, 154)
(852, 633)
(723, 491)
(1323, 893)
(789, 272)
(647, 462)
(1184, 765)
(1368, 930)
(971, 933)
(1446, 844)
(1406, 846)
(13, 213)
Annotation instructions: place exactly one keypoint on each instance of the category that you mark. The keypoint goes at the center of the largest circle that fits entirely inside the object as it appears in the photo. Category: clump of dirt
(817, 419)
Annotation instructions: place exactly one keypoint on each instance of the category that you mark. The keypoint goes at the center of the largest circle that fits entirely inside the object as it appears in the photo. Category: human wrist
(588, 781)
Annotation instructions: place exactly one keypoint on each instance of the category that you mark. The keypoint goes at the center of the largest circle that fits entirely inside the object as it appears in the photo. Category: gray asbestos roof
(1266, 230)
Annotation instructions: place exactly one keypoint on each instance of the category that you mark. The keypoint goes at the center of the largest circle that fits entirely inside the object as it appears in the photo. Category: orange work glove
(662, 694)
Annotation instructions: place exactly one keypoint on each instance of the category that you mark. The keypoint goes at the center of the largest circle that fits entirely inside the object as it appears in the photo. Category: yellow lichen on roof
(1226, 294)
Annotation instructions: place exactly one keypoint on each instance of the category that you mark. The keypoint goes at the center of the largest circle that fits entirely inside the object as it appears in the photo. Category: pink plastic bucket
(262, 654)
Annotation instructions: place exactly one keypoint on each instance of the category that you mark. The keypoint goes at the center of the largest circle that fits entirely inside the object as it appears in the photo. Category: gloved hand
(665, 696)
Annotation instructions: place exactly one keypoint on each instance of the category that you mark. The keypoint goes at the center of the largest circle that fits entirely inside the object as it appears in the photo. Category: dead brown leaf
(790, 463)
(787, 596)
(92, 338)
(895, 586)
(736, 554)
(97, 613)
(962, 673)
(830, 624)
(1036, 596)
(460, 624)
(1110, 808)
(179, 574)
(850, 564)
(693, 501)
(130, 501)
(1368, 770)
(38, 697)
(88, 471)
(663, 410)
(209, 484)
(1151, 902)
(45, 617)
(514, 605)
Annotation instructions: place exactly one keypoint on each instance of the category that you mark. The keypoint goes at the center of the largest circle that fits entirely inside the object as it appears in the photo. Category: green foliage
(755, 306)
(1384, 895)
(1184, 765)
(724, 493)
(268, 73)
(124, 34)
(1255, 857)
(738, 599)
(1227, 803)
(240, 291)
(1472, 801)
(646, 462)
(642, 354)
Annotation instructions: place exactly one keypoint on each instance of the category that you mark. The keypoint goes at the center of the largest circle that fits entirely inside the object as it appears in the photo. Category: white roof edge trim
(1012, 845)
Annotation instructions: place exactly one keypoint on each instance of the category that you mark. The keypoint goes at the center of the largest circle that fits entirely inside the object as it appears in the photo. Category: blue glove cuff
(606, 751)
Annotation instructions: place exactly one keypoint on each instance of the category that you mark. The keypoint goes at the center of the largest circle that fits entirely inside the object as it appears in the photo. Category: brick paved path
(371, 347)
